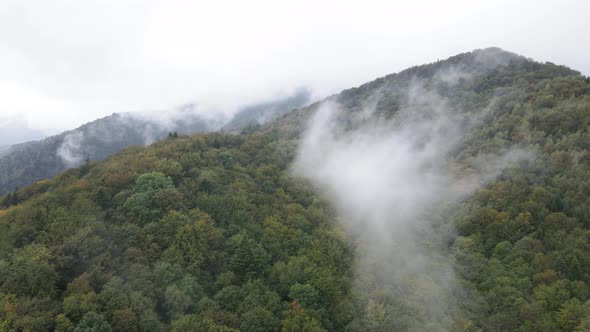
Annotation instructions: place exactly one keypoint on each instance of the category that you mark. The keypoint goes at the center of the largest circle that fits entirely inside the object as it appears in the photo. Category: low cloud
(391, 181)
(70, 151)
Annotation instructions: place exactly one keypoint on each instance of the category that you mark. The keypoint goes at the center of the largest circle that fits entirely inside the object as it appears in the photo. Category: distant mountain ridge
(23, 164)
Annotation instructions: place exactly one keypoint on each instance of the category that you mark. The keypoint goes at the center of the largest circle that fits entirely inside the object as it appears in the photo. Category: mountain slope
(213, 232)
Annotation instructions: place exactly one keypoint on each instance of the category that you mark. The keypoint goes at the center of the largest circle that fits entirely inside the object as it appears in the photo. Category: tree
(192, 323)
(572, 314)
(63, 324)
(6, 200)
(93, 322)
(30, 272)
(176, 301)
(14, 199)
(197, 245)
(124, 320)
(305, 295)
(77, 305)
(297, 321)
(249, 257)
(259, 320)
(143, 204)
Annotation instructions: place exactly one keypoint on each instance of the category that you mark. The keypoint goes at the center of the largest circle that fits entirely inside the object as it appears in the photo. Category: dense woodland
(211, 232)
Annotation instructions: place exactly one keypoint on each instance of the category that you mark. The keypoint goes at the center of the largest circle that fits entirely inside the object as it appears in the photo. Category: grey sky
(66, 62)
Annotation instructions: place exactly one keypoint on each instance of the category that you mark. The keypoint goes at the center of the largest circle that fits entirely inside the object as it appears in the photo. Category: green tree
(259, 320)
(63, 324)
(197, 245)
(93, 322)
(176, 301)
(143, 204)
(305, 295)
(192, 323)
(249, 257)
(31, 272)
(297, 321)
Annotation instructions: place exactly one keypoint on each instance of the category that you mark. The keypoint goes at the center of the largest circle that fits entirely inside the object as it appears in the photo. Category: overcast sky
(63, 63)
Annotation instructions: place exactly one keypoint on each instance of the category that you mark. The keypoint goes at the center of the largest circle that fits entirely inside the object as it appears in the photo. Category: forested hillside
(214, 232)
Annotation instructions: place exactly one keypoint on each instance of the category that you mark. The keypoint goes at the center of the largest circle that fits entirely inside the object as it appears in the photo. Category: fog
(393, 184)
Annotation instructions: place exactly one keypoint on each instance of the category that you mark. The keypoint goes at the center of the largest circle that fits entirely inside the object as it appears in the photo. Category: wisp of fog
(391, 180)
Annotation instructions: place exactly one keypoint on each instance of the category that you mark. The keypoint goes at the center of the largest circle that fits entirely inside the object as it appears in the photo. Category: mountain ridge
(552, 71)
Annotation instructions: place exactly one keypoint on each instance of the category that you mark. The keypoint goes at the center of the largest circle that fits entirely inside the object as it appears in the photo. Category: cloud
(391, 181)
(62, 65)
(70, 151)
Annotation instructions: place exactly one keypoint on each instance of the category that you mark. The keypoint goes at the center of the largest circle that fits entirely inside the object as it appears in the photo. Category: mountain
(26, 163)
(476, 217)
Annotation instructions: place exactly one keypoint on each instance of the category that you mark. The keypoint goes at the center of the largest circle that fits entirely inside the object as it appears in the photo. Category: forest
(214, 232)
